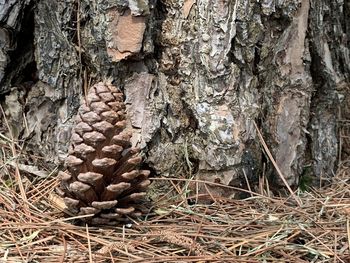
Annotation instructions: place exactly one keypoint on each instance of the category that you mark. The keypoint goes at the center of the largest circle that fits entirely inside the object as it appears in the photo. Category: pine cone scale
(101, 176)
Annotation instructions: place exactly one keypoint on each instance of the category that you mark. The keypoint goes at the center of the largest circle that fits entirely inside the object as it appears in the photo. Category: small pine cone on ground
(102, 176)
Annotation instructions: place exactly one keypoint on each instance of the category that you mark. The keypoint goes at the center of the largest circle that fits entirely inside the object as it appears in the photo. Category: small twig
(247, 181)
(323, 244)
(215, 201)
(199, 229)
(89, 243)
(64, 250)
(348, 232)
(17, 247)
(335, 247)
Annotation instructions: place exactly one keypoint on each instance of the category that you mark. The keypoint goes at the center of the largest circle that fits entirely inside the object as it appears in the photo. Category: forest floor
(261, 228)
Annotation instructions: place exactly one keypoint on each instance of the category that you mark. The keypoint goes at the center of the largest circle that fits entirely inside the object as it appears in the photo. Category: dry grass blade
(348, 232)
(89, 243)
(14, 154)
(258, 229)
(253, 230)
(267, 150)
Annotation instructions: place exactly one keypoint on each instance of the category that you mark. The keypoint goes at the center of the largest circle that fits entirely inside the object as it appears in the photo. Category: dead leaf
(161, 211)
(31, 169)
(187, 7)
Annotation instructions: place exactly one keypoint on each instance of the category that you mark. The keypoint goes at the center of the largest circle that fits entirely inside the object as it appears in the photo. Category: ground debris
(261, 228)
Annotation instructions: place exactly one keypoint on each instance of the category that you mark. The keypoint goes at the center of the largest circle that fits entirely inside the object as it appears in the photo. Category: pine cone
(101, 176)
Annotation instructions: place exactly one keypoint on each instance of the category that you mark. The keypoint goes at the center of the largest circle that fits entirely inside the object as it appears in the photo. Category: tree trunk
(200, 78)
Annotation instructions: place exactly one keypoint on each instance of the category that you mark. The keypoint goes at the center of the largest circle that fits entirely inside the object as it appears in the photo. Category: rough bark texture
(196, 75)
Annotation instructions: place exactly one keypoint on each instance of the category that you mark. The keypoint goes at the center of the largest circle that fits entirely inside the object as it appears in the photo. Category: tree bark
(197, 76)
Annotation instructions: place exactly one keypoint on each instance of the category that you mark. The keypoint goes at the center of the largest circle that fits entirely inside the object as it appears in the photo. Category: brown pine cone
(101, 176)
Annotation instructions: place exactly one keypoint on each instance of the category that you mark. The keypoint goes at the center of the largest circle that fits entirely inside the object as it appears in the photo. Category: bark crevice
(194, 75)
